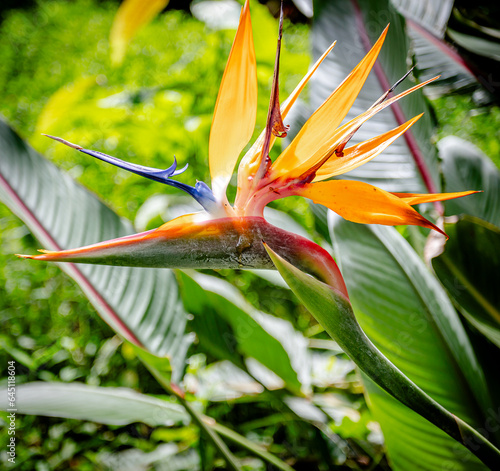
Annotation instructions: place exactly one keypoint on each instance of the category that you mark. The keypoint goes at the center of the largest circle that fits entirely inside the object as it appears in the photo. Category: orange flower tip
(25, 256)
(413, 120)
(446, 236)
(430, 225)
(63, 141)
(330, 48)
(35, 257)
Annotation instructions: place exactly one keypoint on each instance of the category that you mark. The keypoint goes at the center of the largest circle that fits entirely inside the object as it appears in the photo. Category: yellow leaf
(132, 15)
(61, 103)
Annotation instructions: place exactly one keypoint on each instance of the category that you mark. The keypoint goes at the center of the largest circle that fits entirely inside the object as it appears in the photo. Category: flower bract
(225, 235)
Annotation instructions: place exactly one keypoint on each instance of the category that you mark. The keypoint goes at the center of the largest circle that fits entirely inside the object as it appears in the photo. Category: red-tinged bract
(231, 236)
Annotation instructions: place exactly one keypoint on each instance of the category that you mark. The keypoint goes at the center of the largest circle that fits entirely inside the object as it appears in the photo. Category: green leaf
(469, 268)
(434, 55)
(245, 331)
(249, 445)
(481, 46)
(61, 103)
(133, 459)
(410, 164)
(143, 306)
(466, 167)
(113, 406)
(23, 358)
(406, 313)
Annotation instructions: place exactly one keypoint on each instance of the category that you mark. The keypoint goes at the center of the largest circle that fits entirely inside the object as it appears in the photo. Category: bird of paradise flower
(225, 236)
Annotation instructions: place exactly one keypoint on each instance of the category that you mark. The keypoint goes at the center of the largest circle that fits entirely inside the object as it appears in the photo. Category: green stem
(333, 310)
(249, 445)
(211, 432)
(373, 363)
(199, 419)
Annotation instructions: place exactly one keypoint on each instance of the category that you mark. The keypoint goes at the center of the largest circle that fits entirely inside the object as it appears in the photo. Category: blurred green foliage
(459, 116)
(56, 78)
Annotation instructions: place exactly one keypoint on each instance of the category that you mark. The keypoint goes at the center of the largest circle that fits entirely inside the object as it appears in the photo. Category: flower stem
(198, 418)
(334, 312)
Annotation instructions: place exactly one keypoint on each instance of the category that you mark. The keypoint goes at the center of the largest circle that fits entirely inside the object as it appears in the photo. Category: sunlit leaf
(131, 16)
(270, 340)
(61, 103)
(113, 406)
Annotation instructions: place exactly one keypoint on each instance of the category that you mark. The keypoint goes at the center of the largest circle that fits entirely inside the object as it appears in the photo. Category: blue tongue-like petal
(155, 174)
(200, 192)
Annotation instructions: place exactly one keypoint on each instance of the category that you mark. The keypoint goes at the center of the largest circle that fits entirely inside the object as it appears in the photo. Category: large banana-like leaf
(113, 406)
(116, 406)
(427, 21)
(410, 163)
(468, 265)
(469, 268)
(142, 305)
(431, 14)
(406, 313)
(465, 166)
(436, 57)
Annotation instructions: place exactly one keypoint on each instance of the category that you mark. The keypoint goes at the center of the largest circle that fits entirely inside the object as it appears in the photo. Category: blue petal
(200, 192)
(155, 174)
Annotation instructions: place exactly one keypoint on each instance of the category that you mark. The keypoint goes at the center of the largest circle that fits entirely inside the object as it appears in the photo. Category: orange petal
(323, 148)
(236, 107)
(415, 198)
(321, 126)
(288, 103)
(357, 155)
(251, 161)
(364, 203)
